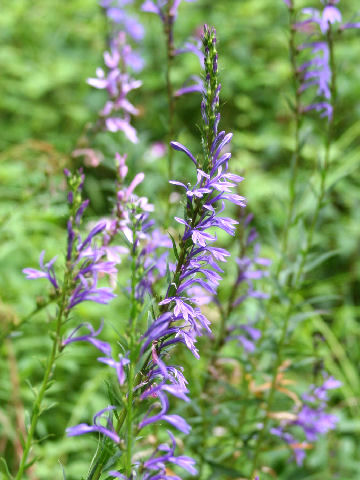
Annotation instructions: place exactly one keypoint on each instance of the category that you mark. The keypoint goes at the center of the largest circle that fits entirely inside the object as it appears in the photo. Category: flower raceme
(118, 83)
(181, 320)
(316, 71)
(311, 417)
(85, 259)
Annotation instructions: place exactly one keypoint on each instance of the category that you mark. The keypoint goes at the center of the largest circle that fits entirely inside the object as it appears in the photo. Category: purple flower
(118, 14)
(320, 76)
(109, 430)
(350, 25)
(315, 421)
(192, 47)
(87, 290)
(316, 72)
(296, 447)
(311, 418)
(330, 15)
(119, 366)
(247, 338)
(180, 320)
(175, 420)
(157, 7)
(118, 84)
(196, 86)
(47, 271)
(166, 454)
(91, 337)
(181, 148)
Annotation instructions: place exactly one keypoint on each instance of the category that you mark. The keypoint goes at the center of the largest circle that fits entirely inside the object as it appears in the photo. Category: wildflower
(317, 71)
(46, 271)
(319, 76)
(157, 463)
(118, 84)
(311, 418)
(181, 320)
(84, 259)
(119, 366)
(157, 7)
(108, 430)
(330, 15)
(90, 337)
(175, 420)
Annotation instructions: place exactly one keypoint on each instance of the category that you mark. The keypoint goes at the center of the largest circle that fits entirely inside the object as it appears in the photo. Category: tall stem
(47, 375)
(309, 240)
(169, 34)
(325, 168)
(296, 153)
(269, 404)
(131, 379)
(15, 326)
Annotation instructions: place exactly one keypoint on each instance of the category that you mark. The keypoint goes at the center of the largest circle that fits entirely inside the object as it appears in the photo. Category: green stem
(309, 240)
(129, 421)
(169, 33)
(270, 399)
(131, 378)
(28, 317)
(48, 373)
(296, 153)
(325, 168)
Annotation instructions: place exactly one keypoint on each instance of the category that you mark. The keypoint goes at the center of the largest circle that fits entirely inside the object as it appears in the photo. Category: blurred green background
(48, 50)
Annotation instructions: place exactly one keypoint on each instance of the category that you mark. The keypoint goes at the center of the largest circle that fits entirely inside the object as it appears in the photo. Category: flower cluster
(123, 21)
(316, 71)
(311, 417)
(84, 258)
(251, 267)
(116, 114)
(181, 320)
(130, 218)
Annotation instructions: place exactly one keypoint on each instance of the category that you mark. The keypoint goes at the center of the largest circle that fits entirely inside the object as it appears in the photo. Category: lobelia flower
(90, 337)
(165, 454)
(46, 271)
(250, 269)
(251, 265)
(158, 7)
(116, 114)
(180, 319)
(104, 347)
(108, 430)
(131, 218)
(311, 418)
(194, 83)
(317, 71)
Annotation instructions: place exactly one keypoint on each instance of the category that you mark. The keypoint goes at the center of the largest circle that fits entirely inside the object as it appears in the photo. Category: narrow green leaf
(174, 247)
(4, 469)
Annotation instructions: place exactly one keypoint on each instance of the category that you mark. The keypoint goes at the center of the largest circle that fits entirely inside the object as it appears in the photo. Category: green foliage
(49, 49)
